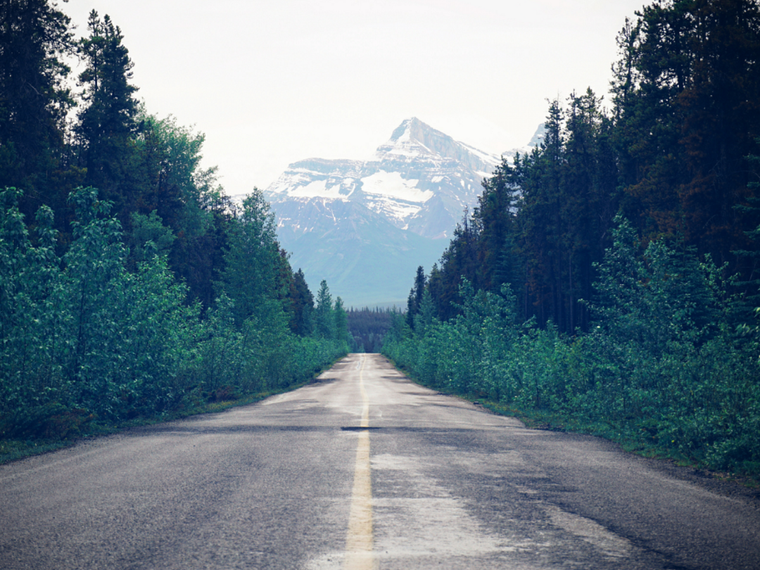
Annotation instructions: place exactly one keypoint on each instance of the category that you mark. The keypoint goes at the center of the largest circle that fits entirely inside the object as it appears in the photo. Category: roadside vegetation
(131, 288)
(608, 281)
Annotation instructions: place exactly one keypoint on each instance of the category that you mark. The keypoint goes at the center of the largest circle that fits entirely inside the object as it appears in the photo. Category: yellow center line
(359, 542)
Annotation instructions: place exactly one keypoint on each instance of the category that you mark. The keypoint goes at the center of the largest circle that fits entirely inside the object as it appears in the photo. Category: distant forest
(609, 279)
(368, 327)
(130, 285)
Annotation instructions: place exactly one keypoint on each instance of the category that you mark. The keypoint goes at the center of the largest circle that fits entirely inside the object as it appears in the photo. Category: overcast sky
(276, 81)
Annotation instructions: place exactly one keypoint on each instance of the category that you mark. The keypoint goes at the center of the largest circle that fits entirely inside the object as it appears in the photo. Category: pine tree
(414, 301)
(496, 214)
(459, 261)
(302, 320)
(589, 200)
(341, 322)
(324, 319)
(35, 38)
(542, 225)
(107, 124)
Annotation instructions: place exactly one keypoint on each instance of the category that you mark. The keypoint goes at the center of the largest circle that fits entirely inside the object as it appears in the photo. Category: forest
(131, 287)
(368, 327)
(608, 281)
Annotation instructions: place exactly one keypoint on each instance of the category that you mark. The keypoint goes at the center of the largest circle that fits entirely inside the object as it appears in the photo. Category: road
(364, 469)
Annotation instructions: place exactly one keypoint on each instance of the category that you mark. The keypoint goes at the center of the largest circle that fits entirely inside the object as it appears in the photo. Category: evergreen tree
(199, 259)
(458, 262)
(542, 225)
(496, 214)
(107, 124)
(324, 319)
(302, 320)
(341, 321)
(589, 200)
(174, 185)
(35, 37)
(414, 302)
(435, 286)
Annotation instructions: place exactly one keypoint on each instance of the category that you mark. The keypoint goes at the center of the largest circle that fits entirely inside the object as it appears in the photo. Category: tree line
(368, 327)
(130, 285)
(610, 276)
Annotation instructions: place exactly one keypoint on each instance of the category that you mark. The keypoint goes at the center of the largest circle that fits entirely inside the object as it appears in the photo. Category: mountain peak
(412, 129)
(413, 139)
(414, 135)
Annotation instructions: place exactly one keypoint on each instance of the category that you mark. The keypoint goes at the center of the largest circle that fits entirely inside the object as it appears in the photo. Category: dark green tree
(496, 214)
(458, 261)
(302, 320)
(107, 122)
(414, 301)
(341, 322)
(542, 224)
(35, 37)
(589, 200)
(323, 317)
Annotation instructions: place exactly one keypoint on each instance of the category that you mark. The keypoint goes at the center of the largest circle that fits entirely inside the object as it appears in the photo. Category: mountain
(420, 180)
(366, 260)
(365, 226)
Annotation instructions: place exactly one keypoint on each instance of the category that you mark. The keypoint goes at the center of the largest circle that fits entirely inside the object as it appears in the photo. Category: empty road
(364, 469)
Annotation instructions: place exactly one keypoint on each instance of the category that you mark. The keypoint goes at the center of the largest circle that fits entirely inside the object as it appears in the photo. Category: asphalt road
(364, 469)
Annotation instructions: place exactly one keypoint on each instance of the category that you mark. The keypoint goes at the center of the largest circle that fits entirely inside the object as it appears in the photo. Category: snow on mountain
(416, 165)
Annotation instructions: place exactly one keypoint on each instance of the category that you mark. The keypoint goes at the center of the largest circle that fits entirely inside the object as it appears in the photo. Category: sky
(271, 82)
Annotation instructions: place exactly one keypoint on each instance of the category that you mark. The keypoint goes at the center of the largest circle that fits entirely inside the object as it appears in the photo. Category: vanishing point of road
(364, 469)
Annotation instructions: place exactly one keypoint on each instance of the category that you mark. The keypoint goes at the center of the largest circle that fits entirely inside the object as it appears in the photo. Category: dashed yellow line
(359, 542)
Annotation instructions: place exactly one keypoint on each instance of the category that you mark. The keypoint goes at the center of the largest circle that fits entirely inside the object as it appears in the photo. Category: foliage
(107, 123)
(414, 301)
(662, 364)
(687, 101)
(85, 339)
(325, 322)
(251, 259)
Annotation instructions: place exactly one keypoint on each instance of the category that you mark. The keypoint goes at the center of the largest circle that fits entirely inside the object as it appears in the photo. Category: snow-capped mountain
(365, 226)
(420, 180)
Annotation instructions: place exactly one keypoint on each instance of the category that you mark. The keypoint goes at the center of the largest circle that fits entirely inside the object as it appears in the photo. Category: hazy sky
(276, 81)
